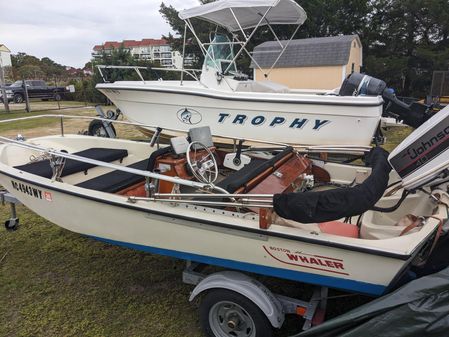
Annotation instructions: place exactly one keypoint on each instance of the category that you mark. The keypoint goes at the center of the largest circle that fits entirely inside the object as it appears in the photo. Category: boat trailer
(273, 306)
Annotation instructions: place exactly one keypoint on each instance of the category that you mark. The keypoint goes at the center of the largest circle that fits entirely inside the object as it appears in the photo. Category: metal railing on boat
(190, 72)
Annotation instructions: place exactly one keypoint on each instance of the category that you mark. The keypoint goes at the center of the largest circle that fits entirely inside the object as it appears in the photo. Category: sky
(66, 31)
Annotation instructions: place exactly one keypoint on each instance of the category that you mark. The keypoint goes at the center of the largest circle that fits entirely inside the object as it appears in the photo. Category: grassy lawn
(18, 111)
(57, 283)
(40, 106)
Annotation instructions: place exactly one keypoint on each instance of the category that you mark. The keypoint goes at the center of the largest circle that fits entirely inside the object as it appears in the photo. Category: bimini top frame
(242, 15)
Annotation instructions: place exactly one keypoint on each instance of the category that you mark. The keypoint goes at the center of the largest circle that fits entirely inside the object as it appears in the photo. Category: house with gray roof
(315, 63)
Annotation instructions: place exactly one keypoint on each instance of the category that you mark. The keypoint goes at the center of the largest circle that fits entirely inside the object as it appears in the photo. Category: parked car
(35, 89)
(9, 94)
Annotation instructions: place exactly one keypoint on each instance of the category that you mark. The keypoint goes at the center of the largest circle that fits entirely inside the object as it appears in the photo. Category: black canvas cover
(419, 308)
(313, 207)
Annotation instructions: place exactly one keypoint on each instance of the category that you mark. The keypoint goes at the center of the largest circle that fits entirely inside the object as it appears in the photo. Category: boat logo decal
(296, 123)
(301, 259)
(189, 116)
(27, 189)
(48, 196)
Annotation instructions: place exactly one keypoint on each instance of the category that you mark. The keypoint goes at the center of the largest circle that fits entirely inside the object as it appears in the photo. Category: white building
(5, 56)
(155, 50)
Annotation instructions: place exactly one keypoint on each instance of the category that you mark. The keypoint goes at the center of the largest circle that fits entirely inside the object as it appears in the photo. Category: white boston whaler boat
(334, 225)
(232, 105)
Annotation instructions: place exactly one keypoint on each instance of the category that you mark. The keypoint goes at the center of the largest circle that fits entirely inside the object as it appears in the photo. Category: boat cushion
(241, 177)
(42, 168)
(339, 228)
(115, 181)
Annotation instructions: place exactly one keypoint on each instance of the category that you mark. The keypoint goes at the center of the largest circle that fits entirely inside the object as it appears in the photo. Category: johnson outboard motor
(414, 114)
(424, 155)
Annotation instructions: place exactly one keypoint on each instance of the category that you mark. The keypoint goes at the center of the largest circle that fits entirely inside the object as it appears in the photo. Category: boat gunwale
(288, 100)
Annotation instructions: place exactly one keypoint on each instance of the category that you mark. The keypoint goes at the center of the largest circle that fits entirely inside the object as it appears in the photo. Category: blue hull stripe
(328, 281)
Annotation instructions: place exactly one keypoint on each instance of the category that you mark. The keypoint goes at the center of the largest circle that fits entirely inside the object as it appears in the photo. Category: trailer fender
(248, 287)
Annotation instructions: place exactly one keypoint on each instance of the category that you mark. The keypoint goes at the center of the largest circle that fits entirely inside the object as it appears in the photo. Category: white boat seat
(261, 86)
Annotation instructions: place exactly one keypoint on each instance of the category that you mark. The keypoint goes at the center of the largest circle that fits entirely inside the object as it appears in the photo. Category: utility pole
(2, 86)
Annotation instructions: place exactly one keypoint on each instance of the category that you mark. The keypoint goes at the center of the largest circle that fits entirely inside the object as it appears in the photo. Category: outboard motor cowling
(360, 84)
(424, 154)
(414, 114)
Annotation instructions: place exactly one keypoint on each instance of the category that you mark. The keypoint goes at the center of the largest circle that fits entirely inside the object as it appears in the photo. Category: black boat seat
(42, 168)
(248, 172)
(117, 180)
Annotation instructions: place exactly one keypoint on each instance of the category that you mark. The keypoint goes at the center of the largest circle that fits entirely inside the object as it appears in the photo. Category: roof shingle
(321, 51)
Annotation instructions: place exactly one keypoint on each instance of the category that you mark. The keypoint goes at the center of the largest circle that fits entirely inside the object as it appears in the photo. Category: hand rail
(148, 174)
(190, 72)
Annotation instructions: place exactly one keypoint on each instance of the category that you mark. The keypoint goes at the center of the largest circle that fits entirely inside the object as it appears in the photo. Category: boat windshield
(222, 53)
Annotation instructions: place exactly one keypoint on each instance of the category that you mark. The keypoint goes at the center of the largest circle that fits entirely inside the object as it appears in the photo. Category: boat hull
(282, 118)
(163, 230)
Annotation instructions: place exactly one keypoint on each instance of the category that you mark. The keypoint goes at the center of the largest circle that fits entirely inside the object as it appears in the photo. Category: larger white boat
(234, 106)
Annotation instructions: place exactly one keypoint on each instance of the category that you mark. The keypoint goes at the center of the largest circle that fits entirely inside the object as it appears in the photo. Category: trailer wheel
(225, 313)
(96, 128)
(12, 224)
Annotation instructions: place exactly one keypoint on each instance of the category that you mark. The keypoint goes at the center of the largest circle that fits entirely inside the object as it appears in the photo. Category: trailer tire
(225, 313)
(96, 128)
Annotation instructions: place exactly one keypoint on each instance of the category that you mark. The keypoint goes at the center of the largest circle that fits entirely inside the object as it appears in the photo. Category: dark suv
(35, 89)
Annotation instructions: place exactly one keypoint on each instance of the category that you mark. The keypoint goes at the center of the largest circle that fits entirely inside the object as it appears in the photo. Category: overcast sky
(66, 31)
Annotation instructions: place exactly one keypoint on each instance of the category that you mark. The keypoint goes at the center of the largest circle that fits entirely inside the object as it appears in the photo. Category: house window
(352, 68)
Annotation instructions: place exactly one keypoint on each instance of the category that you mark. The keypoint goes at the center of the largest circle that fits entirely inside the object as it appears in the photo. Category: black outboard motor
(358, 84)
(413, 114)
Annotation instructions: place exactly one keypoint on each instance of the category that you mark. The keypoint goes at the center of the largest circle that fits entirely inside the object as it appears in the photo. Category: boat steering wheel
(203, 166)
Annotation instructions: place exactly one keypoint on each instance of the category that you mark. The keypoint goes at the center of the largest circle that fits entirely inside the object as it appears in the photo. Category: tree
(30, 71)
(411, 42)
(29, 66)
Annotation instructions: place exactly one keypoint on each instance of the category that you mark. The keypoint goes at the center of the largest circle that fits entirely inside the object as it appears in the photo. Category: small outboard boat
(268, 210)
